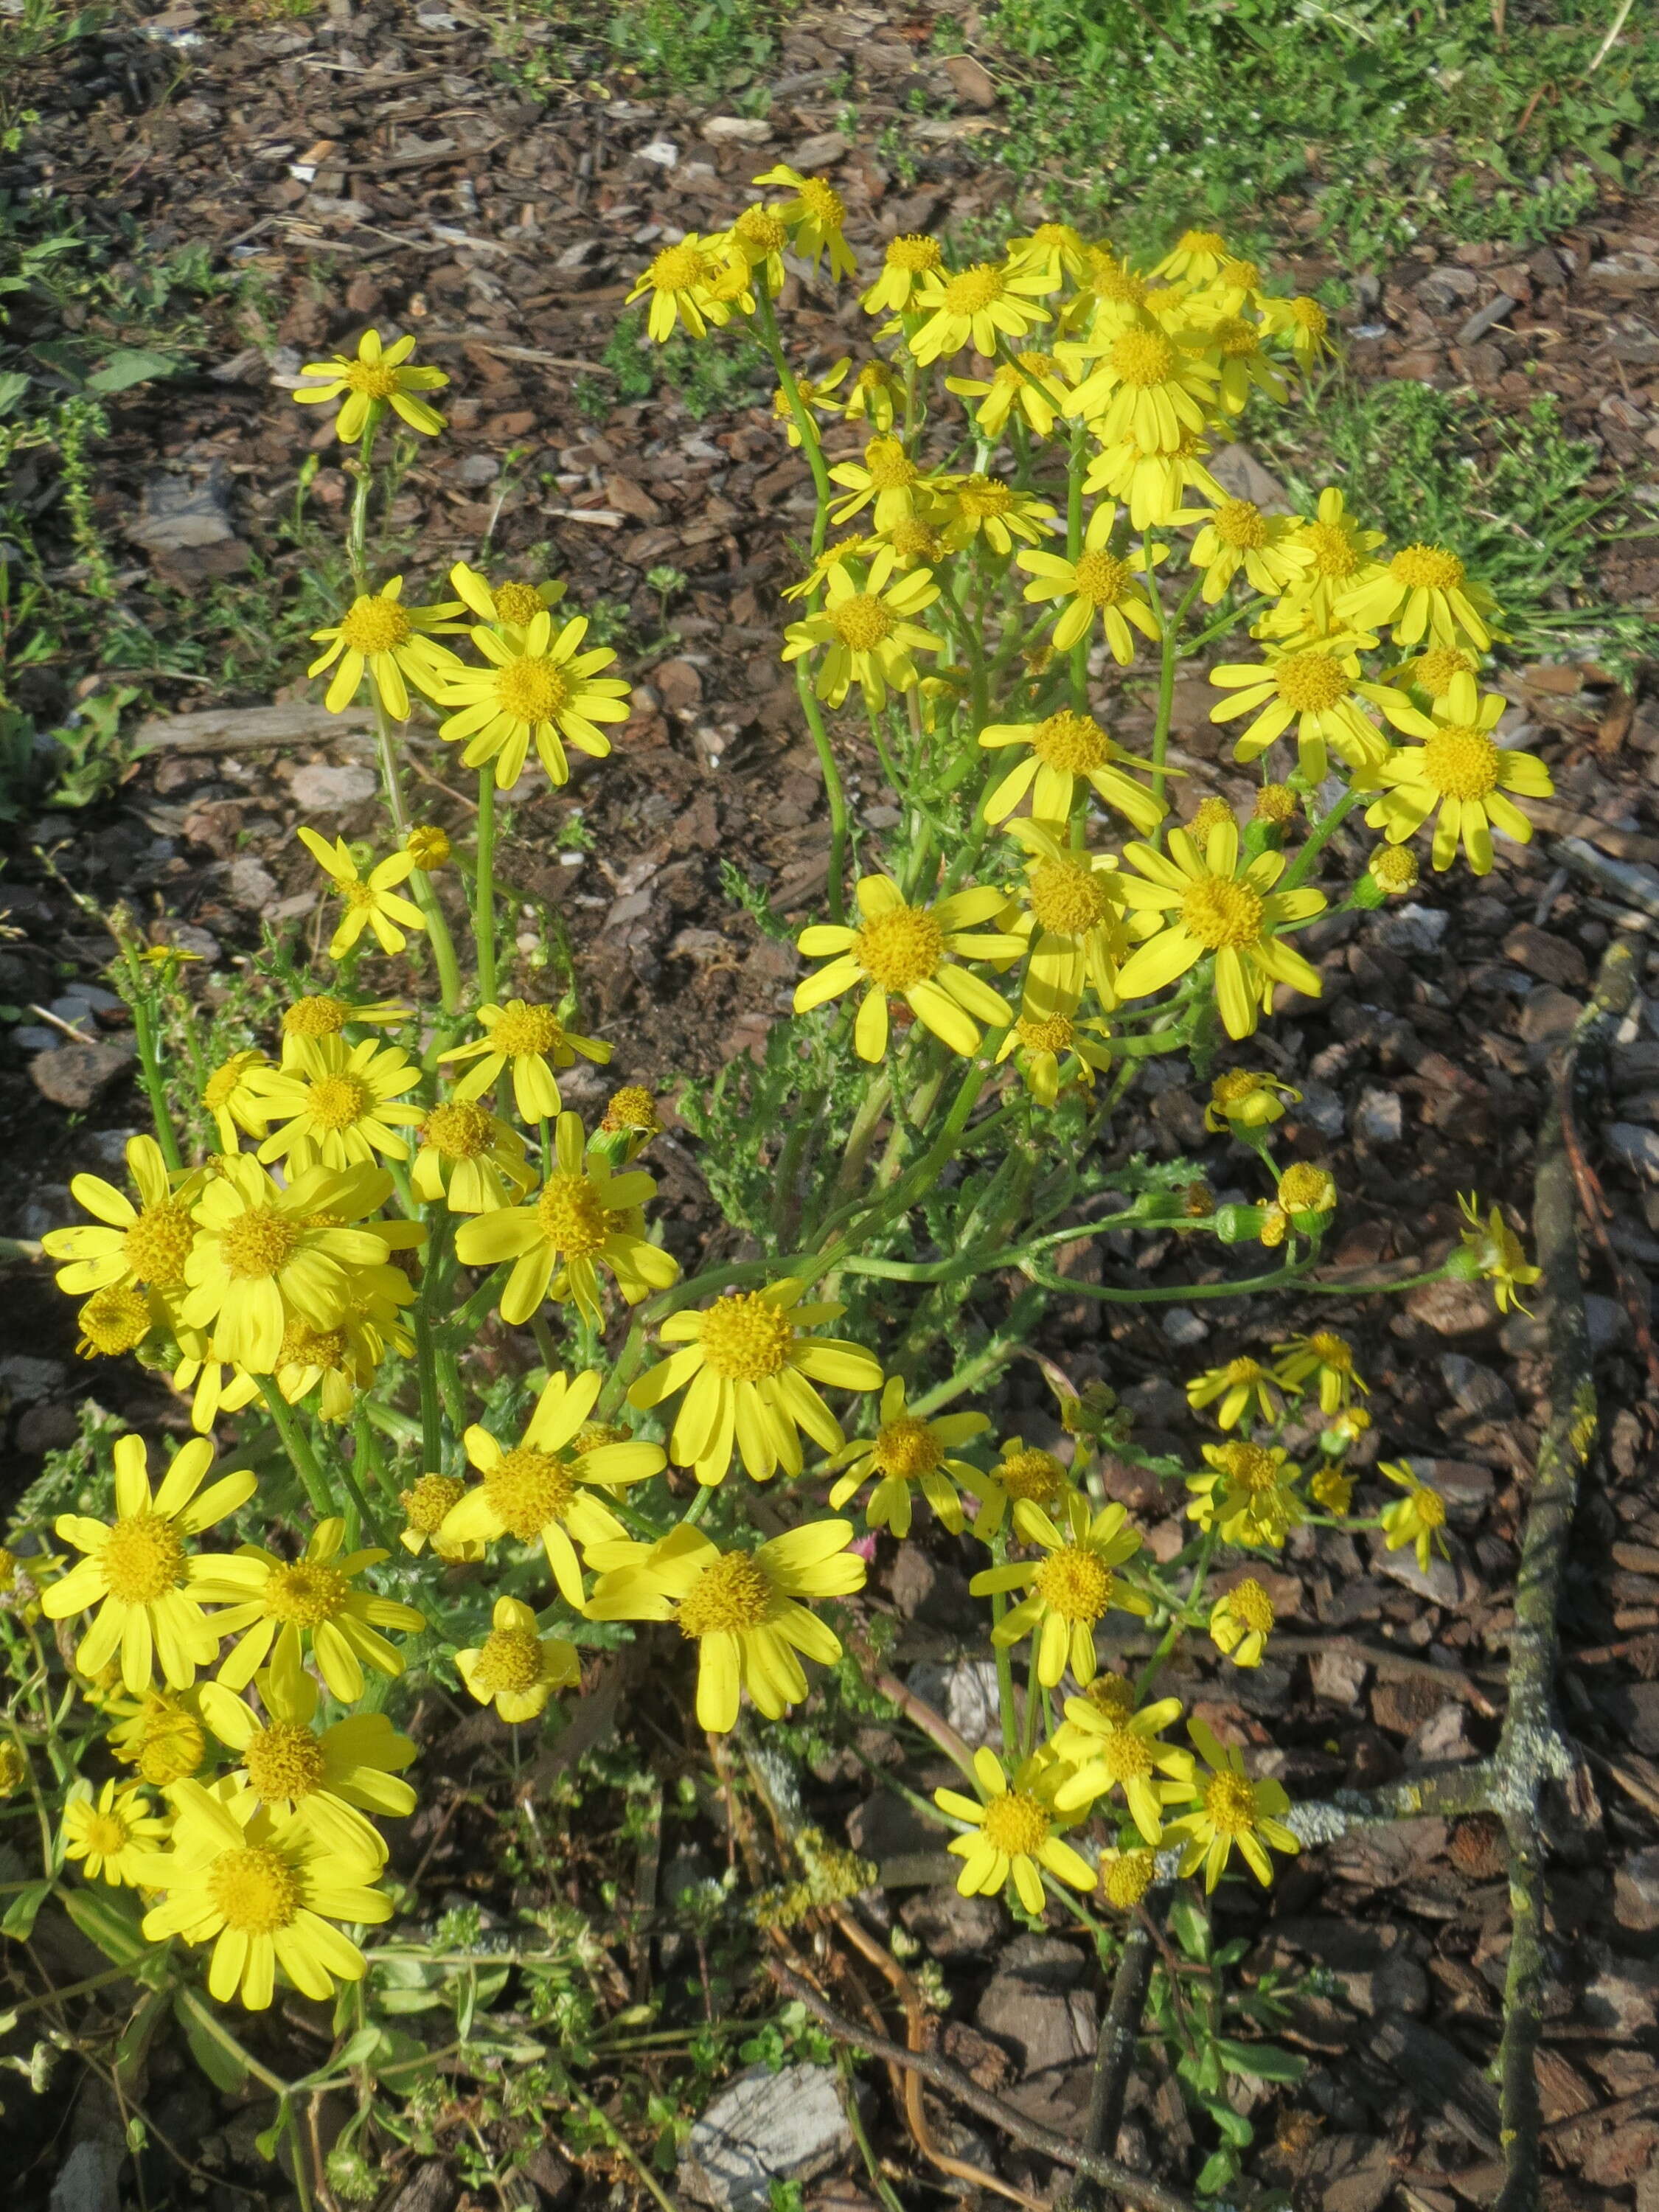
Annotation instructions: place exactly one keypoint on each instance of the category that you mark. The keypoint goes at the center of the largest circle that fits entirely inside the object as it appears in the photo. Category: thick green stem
(149, 1066)
(1169, 656)
(1328, 825)
(297, 1444)
(484, 911)
(834, 793)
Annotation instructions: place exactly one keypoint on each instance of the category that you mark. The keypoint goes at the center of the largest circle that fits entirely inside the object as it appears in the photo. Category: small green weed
(728, 369)
(711, 45)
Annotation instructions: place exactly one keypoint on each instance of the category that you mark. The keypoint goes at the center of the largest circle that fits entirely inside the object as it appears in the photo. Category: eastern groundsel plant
(463, 1424)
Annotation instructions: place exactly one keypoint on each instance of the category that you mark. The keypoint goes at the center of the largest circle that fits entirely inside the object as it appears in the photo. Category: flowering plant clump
(463, 1425)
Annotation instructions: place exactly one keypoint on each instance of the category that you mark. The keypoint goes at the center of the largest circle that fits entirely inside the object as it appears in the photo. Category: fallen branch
(1119, 2032)
(1135, 2188)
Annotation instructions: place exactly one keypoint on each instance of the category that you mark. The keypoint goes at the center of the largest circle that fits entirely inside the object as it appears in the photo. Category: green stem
(1170, 632)
(1328, 825)
(1076, 455)
(834, 793)
(297, 1445)
(483, 911)
(149, 1065)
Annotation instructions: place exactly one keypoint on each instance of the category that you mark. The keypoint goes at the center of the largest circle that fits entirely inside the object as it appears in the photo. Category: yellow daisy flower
(370, 901)
(1053, 251)
(1418, 1519)
(280, 1603)
(868, 632)
(1068, 1591)
(111, 1835)
(906, 260)
(116, 1321)
(1213, 905)
(324, 1015)
(1113, 1746)
(512, 605)
(814, 216)
(1069, 914)
(1197, 255)
(742, 1609)
(148, 1587)
(747, 1367)
(233, 1096)
(377, 378)
(338, 1104)
(1152, 483)
(1340, 560)
(874, 396)
(1241, 1622)
(1249, 1494)
(1237, 535)
(1148, 385)
(583, 1216)
(161, 1733)
(905, 951)
(1030, 385)
(547, 1488)
(886, 476)
(1235, 1385)
(1014, 1835)
(1024, 1478)
(516, 1669)
(532, 1041)
(264, 1891)
(1494, 1251)
(757, 239)
(266, 1254)
(1039, 1044)
(985, 306)
(1229, 1809)
(339, 1362)
(1096, 585)
(1324, 1358)
(1245, 1099)
(1461, 771)
(979, 508)
(469, 1160)
(143, 1247)
(1305, 323)
(1435, 671)
(908, 1449)
(426, 1503)
(1242, 365)
(1424, 591)
(331, 1777)
(379, 636)
(681, 281)
(537, 686)
(1316, 686)
(817, 396)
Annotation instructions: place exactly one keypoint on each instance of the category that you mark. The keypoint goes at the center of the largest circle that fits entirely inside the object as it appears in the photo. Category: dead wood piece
(245, 729)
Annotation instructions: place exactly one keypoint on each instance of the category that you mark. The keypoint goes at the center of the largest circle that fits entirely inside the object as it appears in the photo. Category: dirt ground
(367, 165)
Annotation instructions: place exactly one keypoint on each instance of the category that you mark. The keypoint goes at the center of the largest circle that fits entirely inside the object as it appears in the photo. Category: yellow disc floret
(1427, 567)
(861, 621)
(1218, 912)
(528, 1489)
(255, 1890)
(1016, 1823)
(143, 1559)
(1461, 763)
(745, 1337)
(1311, 683)
(899, 949)
(1075, 1582)
(1068, 897)
(427, 1501)
(375, 625)
(572, 1215)
(731, 1594)
(284, 1762)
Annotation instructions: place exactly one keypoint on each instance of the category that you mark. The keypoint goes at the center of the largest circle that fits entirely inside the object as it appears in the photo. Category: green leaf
(19, 1921)
(132, 365)
(1190, 1927)
(265, 2142)
(13, 385)
(1217, 2170)
(223, 2067)
(1235, 2127)
(109, 1919)
(1262, 2061)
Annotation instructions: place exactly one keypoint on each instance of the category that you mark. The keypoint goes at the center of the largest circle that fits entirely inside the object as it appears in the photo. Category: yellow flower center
(1126, 1879)
(1236, 1087)
(376, 379)
(105, 1835)
(257, 1243)
(1068, 897)
(517, 603)
(1200, 242)
(1235, 338)
(1219, 911)
(284, 1762)
(862, 622)
(529, 1490)
(679, 269)
(906, 1448)
(890, 466)
(1436, 667)
(1230, 1803)
(913, 540)
(632, 1108)
(1125, 1754)
(979, 496)
(224, 1082)
(306, 1594)
(592, 1434)
(115, 1319)
(1242, 1370)
(520, 1028)
(1250, 1605)
(1213, 813)
(822, 202)
(1241, 525)
(572, 1216)
(375, 625)
(1431, 1508)
(1427, 569)
(314, 1018)
(1461, 763)
(874, 376)
(1310, 316)
(305, 1347)
(1277, 802)
(1111, 1695)
(1112, 282)
(1310, 682)
(745, 1337)
(762, 231)
(1395, 868)
(143, 1559)
(1073, 743)
(1332, 1350)
(1035, 1476)
(1053, 1035)
(165, 1743)
(1075, 1583)
(731, 1594)
(510, 1660)
(1015, 1823)
(1142, 358)
(1241, 276)
(157, 1244)
(427, 1501)
(459, 1129)
(899, 949)
(913, 252)
(974, 290)
(1305, 1189)
(533, 690)
(1335, 555)
(338, 1102)
(1248, 1467)
(1101, 578)
(255, 1890)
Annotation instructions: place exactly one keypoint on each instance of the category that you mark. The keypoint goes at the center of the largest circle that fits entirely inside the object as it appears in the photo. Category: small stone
(973, 1701)
(680, 684)
(1439, 1583)
(736, 129)
(250, 883)
(477, 469)
(89, 2179)
(1547, 1019)
(1624, 1997)
(1412, 930)
(1338, 1677)
(1635, 1891)
(952, 1926)
(430, 2188)
(1476, 1390)
(322, 790)
(1443, 1738)
(1451, 1309)
(1377, 1118)
(763, 2129)
(1639, 1148)
(1443, 290)
(925, 1589)
(971, 81)
(24, 1378)
(181, 514)
(1552, 959)
(1182, 1327)
(1323, 1107)
(189, 939)
(661, 153)
(78, 1076)
(821, 151)
(1634, 1708)
(1240, 475)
